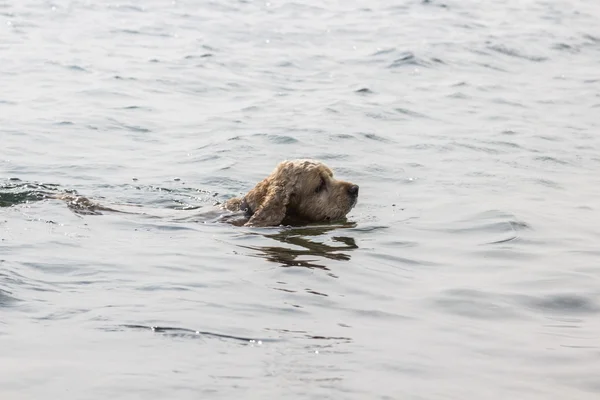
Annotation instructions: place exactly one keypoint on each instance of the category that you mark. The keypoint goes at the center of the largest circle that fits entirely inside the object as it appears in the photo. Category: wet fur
(300, 190)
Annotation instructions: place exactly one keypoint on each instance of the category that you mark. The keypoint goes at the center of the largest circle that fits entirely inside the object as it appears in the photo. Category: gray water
(468, 270)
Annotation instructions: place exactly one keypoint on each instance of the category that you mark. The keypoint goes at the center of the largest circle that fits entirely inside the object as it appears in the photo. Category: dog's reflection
(311, 252)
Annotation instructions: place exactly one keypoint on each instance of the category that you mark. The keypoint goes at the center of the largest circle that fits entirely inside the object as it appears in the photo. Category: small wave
(364, 91)
(547, 183)
(434, 3)
(193, 334)
(344, 136)
(280, 139)
(459, 96)
(127, 7)
(406, 58)
(406, 111)
(516, 53)
(564, 303)
(136, 108)
(551, 160)
(499, 100)
(195, 56)
(384, 51)
(592, 38)
(76, 68)
(510, 145)
(374, 136)
(483, 149)
(122, 78)
(566, 48)
(489, 223)
(6, 299)
(492, 67)
(132, 128)
(480, 304)
(476, 304)
(410, 59)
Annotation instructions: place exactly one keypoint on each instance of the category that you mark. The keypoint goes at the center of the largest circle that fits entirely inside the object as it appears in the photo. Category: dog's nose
(353, 190)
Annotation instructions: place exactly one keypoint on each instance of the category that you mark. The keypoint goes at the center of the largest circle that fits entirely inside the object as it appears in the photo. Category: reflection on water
(310, 252)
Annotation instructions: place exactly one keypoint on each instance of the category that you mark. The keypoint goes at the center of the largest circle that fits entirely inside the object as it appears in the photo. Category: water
(468, 268)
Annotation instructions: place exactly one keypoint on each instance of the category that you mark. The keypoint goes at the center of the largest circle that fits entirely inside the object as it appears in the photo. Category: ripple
(135, 32)
(306, 334)
(131, 128)
(551, 160)
(127, 7)
(459, 96)
(398, 261)
(502, 49)
(488, 305)
(343, 136)
(18, 283)
(492, 67)
(480, 148)
(547, 183)
(411, 113)
(6, 298)
(124, 78)
(375, 137)
(77, 68)
(136, 108)
(364, 91)
(281, 139)
(187, 333)
(476, 304)
(286, 64)
(58, 268)
(500, 100)
(434, 3)
(566, 48)
(563, 303)
(384, 51)
(379, 315)
(511, 145)
(409, 59)
(488, 223)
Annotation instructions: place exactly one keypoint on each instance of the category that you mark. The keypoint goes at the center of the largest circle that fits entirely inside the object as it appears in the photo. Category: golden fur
(301, 190)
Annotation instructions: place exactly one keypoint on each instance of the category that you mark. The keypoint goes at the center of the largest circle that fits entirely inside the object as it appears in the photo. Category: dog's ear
(272, 208)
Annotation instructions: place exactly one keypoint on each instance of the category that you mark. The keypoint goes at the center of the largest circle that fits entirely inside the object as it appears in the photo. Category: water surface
(468, 268)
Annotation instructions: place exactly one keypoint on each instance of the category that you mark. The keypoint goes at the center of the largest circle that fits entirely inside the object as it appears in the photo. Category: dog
(296, 192)
(302, 191)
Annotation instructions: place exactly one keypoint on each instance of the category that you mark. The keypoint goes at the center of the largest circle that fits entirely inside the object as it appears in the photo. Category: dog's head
(301, 189)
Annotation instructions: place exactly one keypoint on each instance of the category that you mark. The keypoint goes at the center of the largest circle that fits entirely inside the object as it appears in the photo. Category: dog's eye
(321, 186)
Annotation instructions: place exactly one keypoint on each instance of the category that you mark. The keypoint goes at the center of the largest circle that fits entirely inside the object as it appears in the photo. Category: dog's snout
(353, 190)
